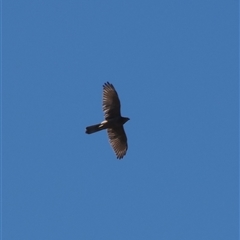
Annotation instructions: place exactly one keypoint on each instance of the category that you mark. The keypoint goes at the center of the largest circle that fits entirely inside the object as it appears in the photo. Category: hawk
(113, 121)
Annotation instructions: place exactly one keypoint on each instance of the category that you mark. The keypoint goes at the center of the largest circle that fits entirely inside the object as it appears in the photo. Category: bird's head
(125, 119)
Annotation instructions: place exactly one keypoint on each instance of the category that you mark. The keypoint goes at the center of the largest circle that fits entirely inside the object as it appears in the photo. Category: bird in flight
(113, 121)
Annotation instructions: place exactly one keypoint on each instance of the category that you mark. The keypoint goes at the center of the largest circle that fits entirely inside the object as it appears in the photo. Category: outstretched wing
(118, 141)
(111, 102)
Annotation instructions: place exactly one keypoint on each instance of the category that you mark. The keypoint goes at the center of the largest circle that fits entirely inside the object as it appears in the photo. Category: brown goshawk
(113, 121)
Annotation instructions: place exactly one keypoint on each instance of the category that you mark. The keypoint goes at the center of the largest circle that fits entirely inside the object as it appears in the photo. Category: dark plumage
(113, 121)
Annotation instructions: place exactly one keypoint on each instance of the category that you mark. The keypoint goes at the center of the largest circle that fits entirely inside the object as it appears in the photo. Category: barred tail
(93, 128)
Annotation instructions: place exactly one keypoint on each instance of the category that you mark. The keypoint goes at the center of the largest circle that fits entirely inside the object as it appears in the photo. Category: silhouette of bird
(113, 121)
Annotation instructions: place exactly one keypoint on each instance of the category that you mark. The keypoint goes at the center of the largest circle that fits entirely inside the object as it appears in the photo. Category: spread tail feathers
(93, 128)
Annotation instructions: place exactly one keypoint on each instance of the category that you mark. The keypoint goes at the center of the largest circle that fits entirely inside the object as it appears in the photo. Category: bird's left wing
(118, 141)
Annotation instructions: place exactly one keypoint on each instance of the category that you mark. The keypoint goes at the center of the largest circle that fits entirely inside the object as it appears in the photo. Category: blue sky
(175, 66)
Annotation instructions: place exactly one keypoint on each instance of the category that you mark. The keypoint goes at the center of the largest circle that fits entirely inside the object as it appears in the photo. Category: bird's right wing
(118, 141)
(111, 102)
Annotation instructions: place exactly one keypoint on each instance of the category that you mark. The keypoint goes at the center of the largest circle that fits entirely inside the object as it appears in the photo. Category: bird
(113, 121)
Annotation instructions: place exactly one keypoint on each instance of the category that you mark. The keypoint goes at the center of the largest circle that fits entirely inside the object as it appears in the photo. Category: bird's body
(113, 121)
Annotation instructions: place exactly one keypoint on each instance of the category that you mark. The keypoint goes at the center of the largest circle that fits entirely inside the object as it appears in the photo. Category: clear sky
(176, 69)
